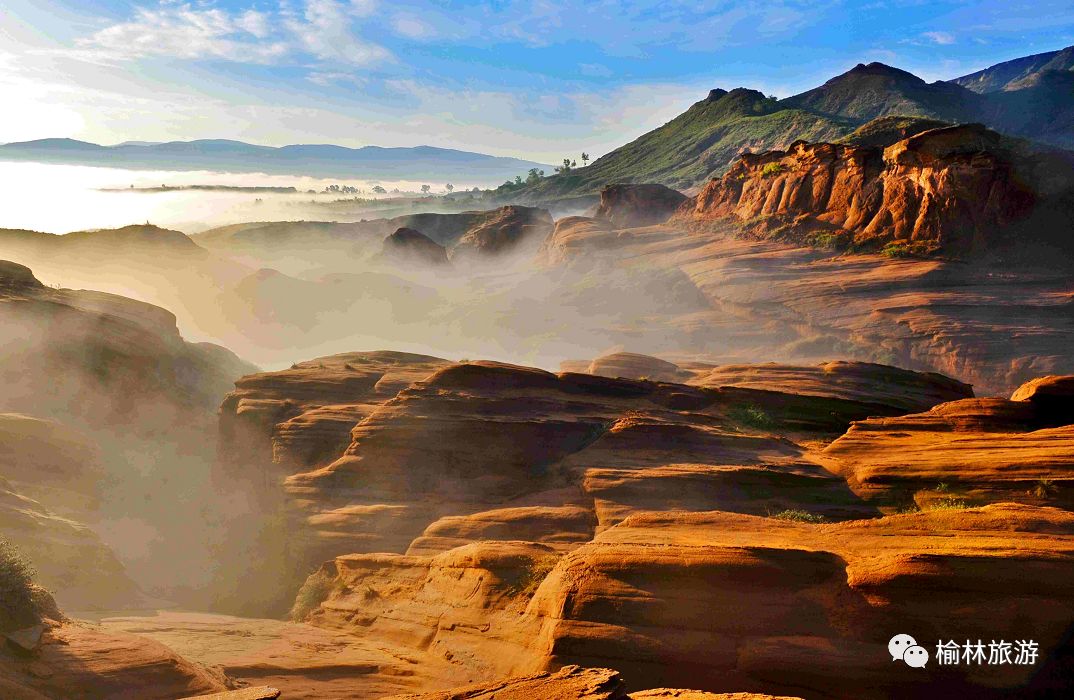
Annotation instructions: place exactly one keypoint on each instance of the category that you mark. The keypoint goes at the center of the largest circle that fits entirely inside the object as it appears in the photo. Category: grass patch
(314, 591)
(895, 250)
(752, 415)
(771, 169)
(949, 503)
(830, 241)
(798, 516)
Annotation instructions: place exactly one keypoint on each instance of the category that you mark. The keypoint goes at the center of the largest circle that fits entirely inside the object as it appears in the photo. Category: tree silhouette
(449, 187)
(585, 158)
(425, 189)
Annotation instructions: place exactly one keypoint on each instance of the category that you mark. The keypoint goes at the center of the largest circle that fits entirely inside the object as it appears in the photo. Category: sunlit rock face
(969, 451)
(776, 604)
(952, 190)
(512, 521)
(389, 452)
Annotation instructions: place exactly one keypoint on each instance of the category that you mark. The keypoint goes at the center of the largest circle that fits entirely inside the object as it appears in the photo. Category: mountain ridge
(316, 160)
(702, 142)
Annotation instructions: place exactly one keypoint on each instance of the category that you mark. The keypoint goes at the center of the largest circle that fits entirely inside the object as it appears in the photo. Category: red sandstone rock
(951, 189)
(508, 229)
(408, 244)
(568, 683)
(626, 206)
(76, 660)
(964, 452)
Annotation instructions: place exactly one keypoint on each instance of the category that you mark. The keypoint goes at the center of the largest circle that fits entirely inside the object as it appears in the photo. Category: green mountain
(698, 143)
(866, 92)
(1016, 74)
(1033, 99)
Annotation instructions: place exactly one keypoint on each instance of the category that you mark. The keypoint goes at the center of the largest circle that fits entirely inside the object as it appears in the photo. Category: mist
(184, 531)
(63, 198)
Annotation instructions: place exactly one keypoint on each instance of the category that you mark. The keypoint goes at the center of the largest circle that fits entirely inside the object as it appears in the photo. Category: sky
(537, 79)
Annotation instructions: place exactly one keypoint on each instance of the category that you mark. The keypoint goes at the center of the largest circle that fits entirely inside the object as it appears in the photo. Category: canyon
(714, 444)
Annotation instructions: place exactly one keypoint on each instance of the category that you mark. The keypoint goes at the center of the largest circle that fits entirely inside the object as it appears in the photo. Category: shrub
(534, 574)
(895, 250)
(752, 415)
(17, 596)
(1044, 488)
(770, 169)
(798, 516)
(827, 240)
(314, 591)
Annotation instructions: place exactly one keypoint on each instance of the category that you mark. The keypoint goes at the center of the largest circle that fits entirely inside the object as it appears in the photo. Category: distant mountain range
(1031, 97)
(438, 165)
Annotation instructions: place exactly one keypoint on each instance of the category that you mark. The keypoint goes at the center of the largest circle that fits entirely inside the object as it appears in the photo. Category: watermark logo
(903, 647)
(1021, 652)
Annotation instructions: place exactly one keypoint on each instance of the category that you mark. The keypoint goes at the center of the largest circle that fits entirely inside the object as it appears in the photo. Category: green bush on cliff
(895, 250)
(314, 591)
(798, 516)
(17, 597)
(751, 415)
(770, 169)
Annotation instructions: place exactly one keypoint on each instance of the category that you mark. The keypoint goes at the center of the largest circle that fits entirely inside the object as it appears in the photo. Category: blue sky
(537, 79)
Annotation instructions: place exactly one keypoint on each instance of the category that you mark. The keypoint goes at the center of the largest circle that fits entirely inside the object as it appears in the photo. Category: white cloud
(363, 8)
(595, 70)
(942, 38)
(181, 31)
(326, 31)
(412, 28)
(254, 22)
(326, 78)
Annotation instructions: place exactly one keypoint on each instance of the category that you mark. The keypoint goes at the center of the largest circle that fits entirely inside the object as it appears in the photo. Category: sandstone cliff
(952, 190)
(409, 245)
(388, 452)
(107, 429)
(626, 206)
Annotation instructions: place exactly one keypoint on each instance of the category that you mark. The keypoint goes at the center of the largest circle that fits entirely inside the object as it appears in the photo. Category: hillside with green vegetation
(697, 144)
(1013, 75)
(1035, 100)
(866, 92)
(884, 131)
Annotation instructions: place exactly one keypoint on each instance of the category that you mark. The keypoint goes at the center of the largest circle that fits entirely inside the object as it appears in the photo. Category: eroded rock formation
(969, 451)
(410, 245)
(952, 190)
(105, 417)
(626, 206)
(507, 229)
(61, 658)
(96, 357)
(729, 601)
(388, 452)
